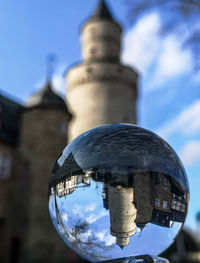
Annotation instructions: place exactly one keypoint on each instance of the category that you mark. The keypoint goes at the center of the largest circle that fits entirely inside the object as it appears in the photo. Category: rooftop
(47, 98)
(102, 11)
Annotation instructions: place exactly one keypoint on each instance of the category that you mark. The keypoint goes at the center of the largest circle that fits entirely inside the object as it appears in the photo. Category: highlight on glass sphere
(118, 191)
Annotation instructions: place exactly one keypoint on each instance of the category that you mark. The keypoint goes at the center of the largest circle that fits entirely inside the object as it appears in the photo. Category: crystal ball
(118, 191)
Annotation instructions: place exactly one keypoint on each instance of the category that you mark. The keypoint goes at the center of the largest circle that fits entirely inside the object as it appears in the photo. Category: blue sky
(169, 97)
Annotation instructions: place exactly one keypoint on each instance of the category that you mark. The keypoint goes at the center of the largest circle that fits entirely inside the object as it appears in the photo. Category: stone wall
(101, 93)
(6, 208)
(101, 39)
(44, 136)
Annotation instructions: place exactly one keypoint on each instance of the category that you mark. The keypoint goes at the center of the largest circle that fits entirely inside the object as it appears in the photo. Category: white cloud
(187, 122)
(59, 83)
(161, 57)
(109, 240)
(77, 210)
(94, 217)
(85, 236)
(172, 61)
(65, 217)
(106, 237)
(142, 42)
(190, 153)
(58, 79)
(88, 213)
(90, 207)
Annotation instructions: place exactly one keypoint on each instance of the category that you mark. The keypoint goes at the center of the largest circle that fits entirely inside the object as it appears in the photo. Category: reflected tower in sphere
(101, 90)
(122, 213)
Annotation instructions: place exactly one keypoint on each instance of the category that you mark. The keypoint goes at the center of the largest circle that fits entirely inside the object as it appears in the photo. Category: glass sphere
(118, 191)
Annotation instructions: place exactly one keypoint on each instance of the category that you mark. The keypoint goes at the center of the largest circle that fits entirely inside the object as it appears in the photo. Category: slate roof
(10, 120)
(102, 11)
(69, 167)
(47, 98)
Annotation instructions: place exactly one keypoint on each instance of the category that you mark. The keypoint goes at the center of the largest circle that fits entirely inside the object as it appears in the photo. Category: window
(93, 51)
(165, 204)
(164, 181)
(158, 178)
(5, 165)
(89, 70)
(93, 31)
(157, 202)
(178, 206)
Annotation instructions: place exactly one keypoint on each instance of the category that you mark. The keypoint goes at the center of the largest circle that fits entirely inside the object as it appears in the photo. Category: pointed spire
(122, 247)
(50, 60)
(47, 98)
(47, 86)
(102, 11)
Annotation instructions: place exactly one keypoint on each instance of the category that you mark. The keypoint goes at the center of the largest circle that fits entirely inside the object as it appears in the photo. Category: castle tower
(122, 213)
(101, 90)
(43, 137)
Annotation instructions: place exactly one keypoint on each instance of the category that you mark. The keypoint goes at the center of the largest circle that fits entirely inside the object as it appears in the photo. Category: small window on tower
(89, 70)
(93, 51)
(5, 165)
(93, 31)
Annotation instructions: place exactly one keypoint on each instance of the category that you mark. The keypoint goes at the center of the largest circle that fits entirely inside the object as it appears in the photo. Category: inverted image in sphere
(118, 191)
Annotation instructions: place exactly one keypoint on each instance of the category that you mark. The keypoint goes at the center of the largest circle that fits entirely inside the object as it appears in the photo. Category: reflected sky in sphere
(132, 204)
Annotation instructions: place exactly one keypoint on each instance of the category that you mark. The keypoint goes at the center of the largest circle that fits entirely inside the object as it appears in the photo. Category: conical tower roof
(102, 11)
(47, 98)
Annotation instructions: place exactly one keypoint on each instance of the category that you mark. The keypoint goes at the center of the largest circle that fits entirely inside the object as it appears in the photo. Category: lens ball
(118, 191)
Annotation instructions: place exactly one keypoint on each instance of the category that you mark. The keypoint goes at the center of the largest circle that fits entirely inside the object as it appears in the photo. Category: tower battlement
(91, 72)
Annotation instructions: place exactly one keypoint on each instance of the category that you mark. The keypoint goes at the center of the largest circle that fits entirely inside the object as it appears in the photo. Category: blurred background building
(100, 90)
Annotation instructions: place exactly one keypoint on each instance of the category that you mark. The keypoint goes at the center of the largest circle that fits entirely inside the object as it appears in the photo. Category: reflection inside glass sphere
(118, 191)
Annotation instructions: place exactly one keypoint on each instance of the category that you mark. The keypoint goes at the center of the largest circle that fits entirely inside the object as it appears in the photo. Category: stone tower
(101, 90)
(43, 137)
(122, 213)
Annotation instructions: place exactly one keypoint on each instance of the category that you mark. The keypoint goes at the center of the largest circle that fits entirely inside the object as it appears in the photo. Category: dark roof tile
(47, 98)
(102, 11)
